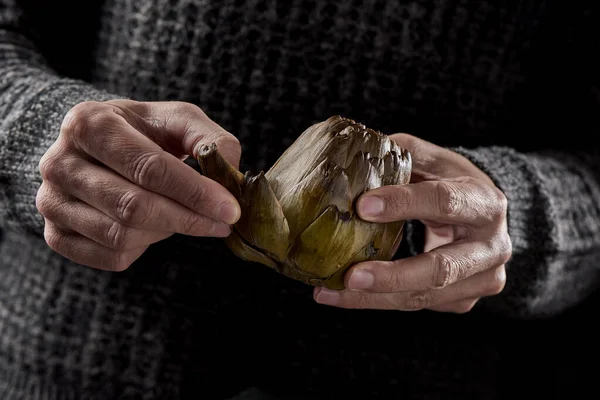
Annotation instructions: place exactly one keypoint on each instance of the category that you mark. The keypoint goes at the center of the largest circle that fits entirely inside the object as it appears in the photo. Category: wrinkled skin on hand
(114, 181)
(466, 243)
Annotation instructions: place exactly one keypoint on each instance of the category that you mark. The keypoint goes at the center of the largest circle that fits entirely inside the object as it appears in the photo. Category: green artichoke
(299, 218)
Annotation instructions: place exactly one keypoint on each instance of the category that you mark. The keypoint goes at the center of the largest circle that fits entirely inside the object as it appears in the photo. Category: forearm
(33, 102)
(554, 225)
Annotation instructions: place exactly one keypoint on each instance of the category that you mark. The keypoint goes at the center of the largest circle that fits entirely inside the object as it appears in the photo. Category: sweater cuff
(34, 125)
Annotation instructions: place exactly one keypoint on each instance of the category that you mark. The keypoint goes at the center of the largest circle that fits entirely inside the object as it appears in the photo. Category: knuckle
(149, 170)
(133, 208)
(46, 206)
(505, 248)
(43, 201)
(498, 282)
(53, 238)
(418, 300)
(501, 200)
(391, 280)
(118, 262)
(448, 199)
(186, 111)
(51, 166)
(115, 111)
(445, 270)
(500, 246)
(499, 203)
(187, 108)
(103, 119)
(76, 122)
(117, 236)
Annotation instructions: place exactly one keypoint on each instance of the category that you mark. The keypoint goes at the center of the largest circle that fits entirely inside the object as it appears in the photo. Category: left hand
(466, 238)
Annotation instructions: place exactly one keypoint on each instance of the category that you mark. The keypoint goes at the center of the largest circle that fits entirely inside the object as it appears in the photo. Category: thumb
(180, 128)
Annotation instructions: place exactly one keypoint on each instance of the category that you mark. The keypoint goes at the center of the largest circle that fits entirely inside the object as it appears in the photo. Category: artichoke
(298, 218)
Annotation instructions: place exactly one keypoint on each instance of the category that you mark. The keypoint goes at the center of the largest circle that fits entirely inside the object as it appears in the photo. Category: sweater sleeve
(33, 101)
(554, 225)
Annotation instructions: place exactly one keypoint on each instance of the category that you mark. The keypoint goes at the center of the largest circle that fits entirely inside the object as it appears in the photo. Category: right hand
(114, 181)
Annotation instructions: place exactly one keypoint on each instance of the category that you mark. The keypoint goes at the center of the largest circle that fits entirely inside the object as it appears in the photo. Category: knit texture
(492, 82)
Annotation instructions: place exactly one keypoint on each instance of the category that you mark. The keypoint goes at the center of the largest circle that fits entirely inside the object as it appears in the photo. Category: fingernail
(361, 279)
(371, 206)
(328, 296)
(228, 213)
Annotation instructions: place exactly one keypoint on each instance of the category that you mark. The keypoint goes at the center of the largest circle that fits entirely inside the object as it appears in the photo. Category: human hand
(466, 238)
(114, 181)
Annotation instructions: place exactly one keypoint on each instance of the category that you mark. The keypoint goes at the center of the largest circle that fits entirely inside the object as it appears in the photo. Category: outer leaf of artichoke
(298, 218)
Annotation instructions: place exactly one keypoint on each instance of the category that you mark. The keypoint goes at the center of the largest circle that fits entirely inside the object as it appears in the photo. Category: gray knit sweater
(515, 88)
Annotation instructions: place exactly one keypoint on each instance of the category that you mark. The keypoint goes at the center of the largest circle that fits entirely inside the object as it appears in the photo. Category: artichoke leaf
(325, 186)
(391, 169)
(370, 142)
(330, 243)
(312, 137)
(405, 167)
(386, 241)
(375, 177)
(397, 168)
(384, 245)
(263, 223)
(320, 142)
(358, 172)
(337, 280)
(238, 247)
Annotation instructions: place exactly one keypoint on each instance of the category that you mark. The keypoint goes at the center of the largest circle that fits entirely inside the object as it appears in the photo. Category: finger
(180, 127)
(106, 136)
(130, 204)
(457, 307)
(86, 252)
(487, 283)
(435, 269)
(466, 202)
(430, 161)
(78, 217)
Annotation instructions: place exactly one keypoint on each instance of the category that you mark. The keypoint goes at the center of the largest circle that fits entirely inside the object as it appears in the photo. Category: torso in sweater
(457, 74)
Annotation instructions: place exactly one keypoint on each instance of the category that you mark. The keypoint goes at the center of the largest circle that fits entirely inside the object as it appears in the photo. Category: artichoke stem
(215, 167)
